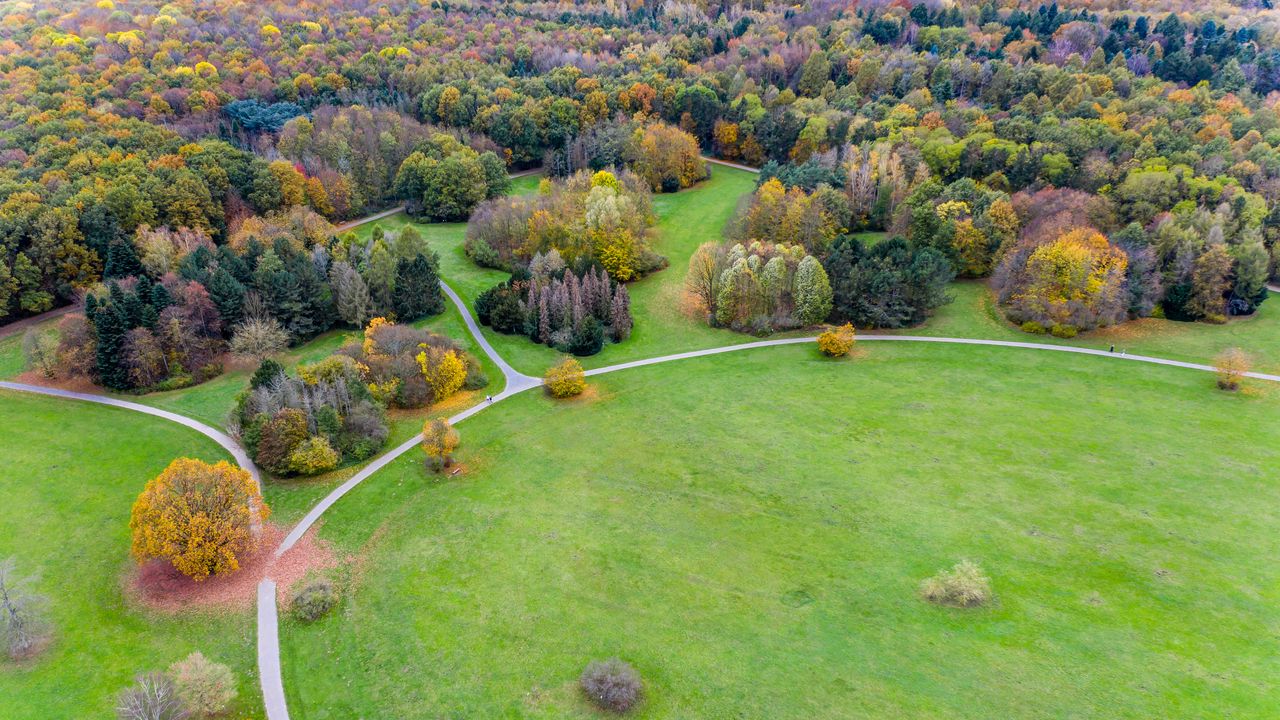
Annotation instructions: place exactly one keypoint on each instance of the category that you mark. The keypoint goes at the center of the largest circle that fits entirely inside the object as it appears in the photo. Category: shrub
(152, 697)
(611, 684)
(41, 350)
(205, 687)
(1065, 332)
(314, 601)
(313, 456)
(962, 586)
(439, 440)
(22, 626)
(837, 342)
(199, 517)
(1033, 327)
(268, 370)
(1231, 366)
(565, 379)
(279, 438)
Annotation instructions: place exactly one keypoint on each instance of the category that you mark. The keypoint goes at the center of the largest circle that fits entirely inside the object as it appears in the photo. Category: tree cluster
(404, 367)
(443, 180)
(551, 304)
(603, 218)
(758, 288)
(309, 424)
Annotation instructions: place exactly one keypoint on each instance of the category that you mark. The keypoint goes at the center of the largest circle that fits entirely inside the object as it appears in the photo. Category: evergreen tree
(227, 294)
(812, 292)
(588, 337)
(110, 330)
(122, 261)
(417, 289)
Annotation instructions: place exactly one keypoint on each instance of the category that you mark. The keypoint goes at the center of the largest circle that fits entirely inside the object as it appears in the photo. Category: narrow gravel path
(368, 218)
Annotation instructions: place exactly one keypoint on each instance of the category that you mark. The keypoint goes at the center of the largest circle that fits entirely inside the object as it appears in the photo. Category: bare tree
(152, 697)
(21, 612)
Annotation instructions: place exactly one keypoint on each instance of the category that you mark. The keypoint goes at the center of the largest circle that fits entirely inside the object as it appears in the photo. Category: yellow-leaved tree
(202, 518)
(439, 440)
(444, 371)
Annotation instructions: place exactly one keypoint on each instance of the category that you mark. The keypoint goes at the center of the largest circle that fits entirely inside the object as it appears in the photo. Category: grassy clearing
(973, 313)
(72, 472)
(780, 548)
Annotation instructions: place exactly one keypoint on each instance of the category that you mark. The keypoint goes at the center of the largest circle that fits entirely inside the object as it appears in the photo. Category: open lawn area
(750, 530)
(72, 472)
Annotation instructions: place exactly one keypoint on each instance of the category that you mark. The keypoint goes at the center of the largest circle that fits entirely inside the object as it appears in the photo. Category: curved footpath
(515, 382)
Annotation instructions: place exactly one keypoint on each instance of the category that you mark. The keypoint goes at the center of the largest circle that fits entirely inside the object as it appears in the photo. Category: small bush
(205, 687)
(837, 342)
(1065, 332)
(962, 586)
(1033, 327)
(314, 455)
(314, 601)
(566, 379)
(1231, 366)
(152, 697)
(611, 684)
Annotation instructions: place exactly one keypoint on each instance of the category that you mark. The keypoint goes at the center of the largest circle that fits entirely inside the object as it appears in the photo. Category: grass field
(767, 564)
(72, 472)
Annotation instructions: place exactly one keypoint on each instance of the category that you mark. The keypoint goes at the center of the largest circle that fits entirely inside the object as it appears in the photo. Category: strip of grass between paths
(72, 472)
(780, 546)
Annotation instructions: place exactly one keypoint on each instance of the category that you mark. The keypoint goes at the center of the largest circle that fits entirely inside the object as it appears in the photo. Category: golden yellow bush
(837, 342)
(565, 379)
(202, 518)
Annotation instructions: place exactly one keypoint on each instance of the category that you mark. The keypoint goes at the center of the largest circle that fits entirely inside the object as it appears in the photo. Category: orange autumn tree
(202, 518)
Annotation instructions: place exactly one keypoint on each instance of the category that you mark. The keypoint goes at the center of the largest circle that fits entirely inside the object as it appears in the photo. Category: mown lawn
(750, 530)
(72, 472)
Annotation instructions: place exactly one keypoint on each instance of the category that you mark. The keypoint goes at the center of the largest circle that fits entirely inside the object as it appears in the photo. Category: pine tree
(227, 294)
(588, 337)
(110, 330)
(418, 291)
(122, 261)
(620, 314)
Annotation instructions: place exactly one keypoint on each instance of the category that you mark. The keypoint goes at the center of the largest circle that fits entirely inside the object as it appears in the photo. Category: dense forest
(1150, 131)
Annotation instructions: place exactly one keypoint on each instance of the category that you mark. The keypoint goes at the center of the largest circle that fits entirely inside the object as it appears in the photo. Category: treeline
(164, 320)
(110, 113)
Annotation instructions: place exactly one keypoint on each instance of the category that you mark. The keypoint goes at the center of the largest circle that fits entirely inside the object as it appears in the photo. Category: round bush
(314, 601)
(611, 684)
